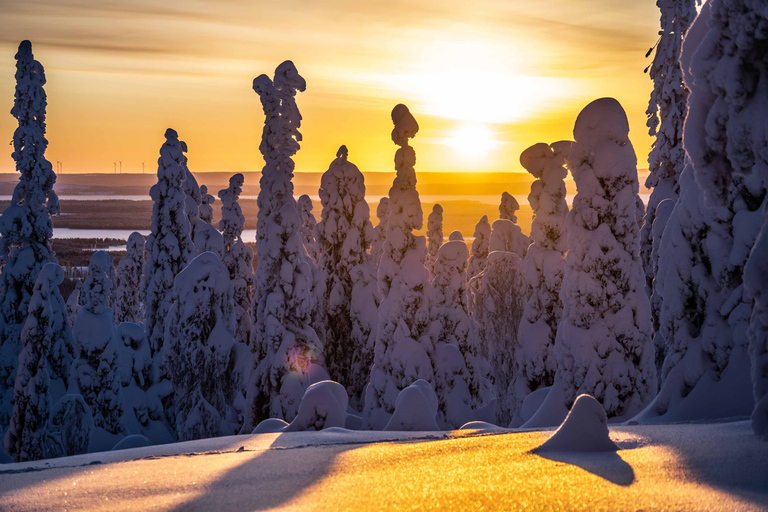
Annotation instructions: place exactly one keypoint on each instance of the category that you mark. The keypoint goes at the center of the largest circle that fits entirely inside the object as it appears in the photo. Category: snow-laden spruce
(201, 353)
(25, 225)
(480, 247)
(169, 246)
(407, 328)
(73, 303)
(282, 338)
(508, 237)
(46, 341)
(543, 267)
(666, 113)
(95, 373)
(129, 277)
(237, 256)
(192, 199)
(508, 207)
(205, 210)
(603, 343)
(498, 297)
(308, 223)
(344, 235)
(434, 238)
(380, 231)
(206, 237)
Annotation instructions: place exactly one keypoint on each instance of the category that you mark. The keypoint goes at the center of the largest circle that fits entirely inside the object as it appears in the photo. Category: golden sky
(485, 79)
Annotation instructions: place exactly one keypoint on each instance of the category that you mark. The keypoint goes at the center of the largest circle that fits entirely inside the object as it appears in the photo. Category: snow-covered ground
(716, 466)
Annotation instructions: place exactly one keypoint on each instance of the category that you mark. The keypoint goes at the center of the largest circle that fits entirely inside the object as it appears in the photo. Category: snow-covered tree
(95, 373)
(25, 225)
(508, 206)
(543, 267)
(192, 199)
(480, 247)
(283, 340)
(206, 237)
(405, 341)
(498, 297)
(129, 277)
(603, 343)
(344, 235)
(205, 211)
(380, 231)
(200, 355)
(169, 246)
(237, 257)
(47, 340)
(666, 113)
(73, 303)
(308, 223)
(434, 237)
(508, 237)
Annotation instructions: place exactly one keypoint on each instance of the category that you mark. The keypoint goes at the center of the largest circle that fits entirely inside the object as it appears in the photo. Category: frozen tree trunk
(282, 338)
(603, 344)
(237, 257)
(434, 238)
(351, 298)
(169, 246)
(47, 345)
(129, 277)
(544, 267)
(480, 247)
(25, 226)
(405, 342)
(380, 231)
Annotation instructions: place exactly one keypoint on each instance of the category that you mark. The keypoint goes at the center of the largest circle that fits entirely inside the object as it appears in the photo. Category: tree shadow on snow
(607, 465)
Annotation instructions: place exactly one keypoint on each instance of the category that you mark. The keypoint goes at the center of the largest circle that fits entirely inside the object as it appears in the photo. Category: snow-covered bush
(324, 405)
(25, 225)
(95, 371)
(507, 236)
(237, 257)
(415, 409)
(129, 276)
(434, 237)
(543, 267)
(199, 354)
(308, 223)
(508, 206)
(499, 293)
(405, 341)
(169, 246)
(480, 247)
(603, 343)
(380, 231)
(282, 338)
(46, 340)
(344, 235)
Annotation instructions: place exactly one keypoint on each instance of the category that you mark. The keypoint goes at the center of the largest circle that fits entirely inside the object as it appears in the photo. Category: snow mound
(134, 441)
(324, 405)
(482, 426)
(585, 429)
(270, 426)
(415, 409)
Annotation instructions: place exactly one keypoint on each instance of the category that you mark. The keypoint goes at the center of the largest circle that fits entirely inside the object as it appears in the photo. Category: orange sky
(485, 79)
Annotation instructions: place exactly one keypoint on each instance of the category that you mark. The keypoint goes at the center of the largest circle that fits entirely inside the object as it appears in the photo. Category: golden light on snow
(472, 140)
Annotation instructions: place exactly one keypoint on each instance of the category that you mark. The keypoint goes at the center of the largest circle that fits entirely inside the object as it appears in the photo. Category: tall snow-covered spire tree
(284, 342)
(544, 267)
(206, 237)
(129, 277)
(380, 231)
(434, 237)
(205, 210)
(344, 235)
(508, 206)
(237, 257)
(603, 343)
(480, 247)
(169, 245)
(407, 330)
(46, 331)
(25, 226)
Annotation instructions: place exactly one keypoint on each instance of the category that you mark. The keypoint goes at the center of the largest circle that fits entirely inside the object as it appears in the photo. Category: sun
(472, 140)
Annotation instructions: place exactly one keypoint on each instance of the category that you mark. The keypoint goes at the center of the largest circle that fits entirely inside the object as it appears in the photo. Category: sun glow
(472, 140)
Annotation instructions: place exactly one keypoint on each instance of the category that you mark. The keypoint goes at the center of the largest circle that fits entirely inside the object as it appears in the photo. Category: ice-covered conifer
(603, 343)
(508, 206)
(47, 349)
(25, 225)
(237, 257)
(169, 246)
(205, 211)
(73, 303)
(380, 231)
(206, 237)
(508, 237)
(434, 237)
(95, 373)
(200, 355)
(308, 223)
(405, 341)
(344, 235)
(282, 337)
(666, 113)
(543, 267)
(192, 200)
(480, 247)
(129, 277)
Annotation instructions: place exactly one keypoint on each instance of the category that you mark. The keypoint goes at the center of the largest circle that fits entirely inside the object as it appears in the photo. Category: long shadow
(607, 465)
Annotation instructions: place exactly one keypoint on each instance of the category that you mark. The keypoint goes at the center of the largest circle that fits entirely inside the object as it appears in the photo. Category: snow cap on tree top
(456, 236)
(602, 118)
(25, 49)
(100, 262)
(342, 153)
(170, 134)
(536, 158)
(287, 74)
(406, 126)
(51, 272)
(508, 202)
(262, 84)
